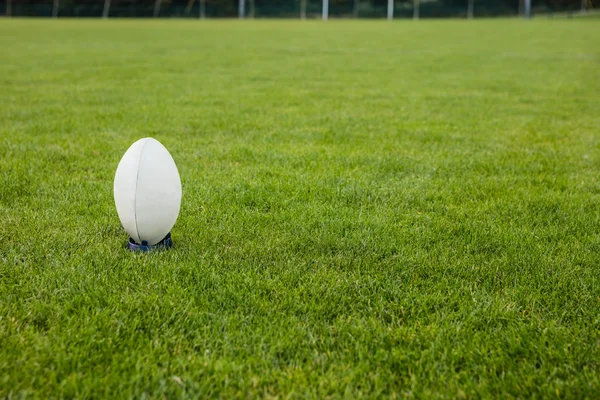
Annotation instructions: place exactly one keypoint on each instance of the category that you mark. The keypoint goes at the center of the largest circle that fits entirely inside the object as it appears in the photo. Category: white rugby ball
(147, 191)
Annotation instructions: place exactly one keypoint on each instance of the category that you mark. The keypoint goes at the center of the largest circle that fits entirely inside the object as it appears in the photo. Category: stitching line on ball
(137, 178)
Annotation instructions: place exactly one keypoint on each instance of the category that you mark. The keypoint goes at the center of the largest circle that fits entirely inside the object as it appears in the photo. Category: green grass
(370, 209)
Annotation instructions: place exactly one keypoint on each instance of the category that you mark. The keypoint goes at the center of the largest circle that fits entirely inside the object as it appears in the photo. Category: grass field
(369, 209)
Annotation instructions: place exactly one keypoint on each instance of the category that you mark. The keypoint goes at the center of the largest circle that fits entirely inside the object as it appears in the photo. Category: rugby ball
(147, 191)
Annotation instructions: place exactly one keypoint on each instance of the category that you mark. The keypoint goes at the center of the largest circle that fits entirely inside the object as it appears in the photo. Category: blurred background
(293, 8)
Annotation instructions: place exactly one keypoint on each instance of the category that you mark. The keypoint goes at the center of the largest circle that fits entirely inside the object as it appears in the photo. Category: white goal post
(527, 8)
(106, 10)
(241, 9)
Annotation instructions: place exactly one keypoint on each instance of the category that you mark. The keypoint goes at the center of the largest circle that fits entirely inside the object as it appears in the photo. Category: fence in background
(325, 9)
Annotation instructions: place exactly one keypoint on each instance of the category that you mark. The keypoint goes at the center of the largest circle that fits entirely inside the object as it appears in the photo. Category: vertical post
(251, 9)
(416, 9)
(202, 9)
(325, 10)
(390, 10)
(583, 6)
(303, 9)
(156, 8)
(8, 8)
(241, 9)
(470, 9)
(55, 9)
(106, 10)
(527, 9)
(189, 6)
(356, 5)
